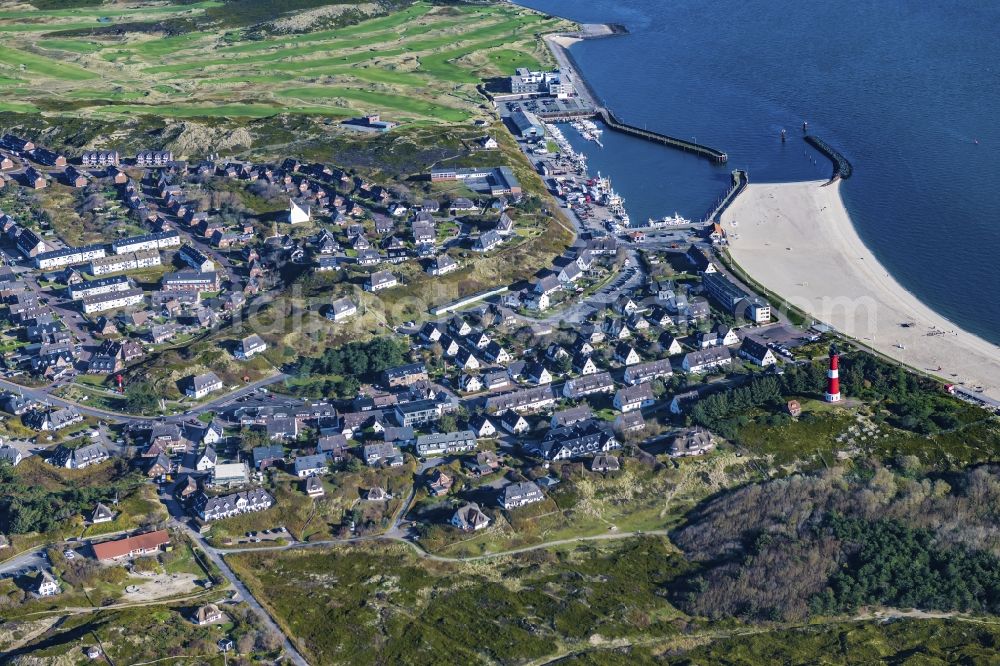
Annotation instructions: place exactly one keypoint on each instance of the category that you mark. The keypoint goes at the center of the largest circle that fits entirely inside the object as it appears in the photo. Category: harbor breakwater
(841, 166)
(614, 123)
(740, 182)
(559, 45)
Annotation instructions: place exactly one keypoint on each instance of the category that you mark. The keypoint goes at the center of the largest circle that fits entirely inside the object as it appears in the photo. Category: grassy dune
(418, 64)
(31, 65)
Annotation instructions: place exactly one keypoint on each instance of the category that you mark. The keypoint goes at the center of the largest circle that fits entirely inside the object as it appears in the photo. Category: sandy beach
(797, 240)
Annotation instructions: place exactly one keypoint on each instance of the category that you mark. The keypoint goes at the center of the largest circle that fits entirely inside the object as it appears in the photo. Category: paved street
(22, 563)
(179, 520)
(43, 395)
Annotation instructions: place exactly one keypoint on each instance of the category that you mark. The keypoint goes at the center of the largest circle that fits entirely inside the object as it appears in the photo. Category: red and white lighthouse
(833, 377)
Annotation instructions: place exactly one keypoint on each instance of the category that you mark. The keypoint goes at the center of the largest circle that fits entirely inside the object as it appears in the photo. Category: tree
(245, 643)
(348, 387)
(563, 365)
(141, 398)
(447, 423)
(251, 438)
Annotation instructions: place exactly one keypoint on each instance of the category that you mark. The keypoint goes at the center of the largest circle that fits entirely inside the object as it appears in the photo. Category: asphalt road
(22, 563)
(178, 520)
(42, 395)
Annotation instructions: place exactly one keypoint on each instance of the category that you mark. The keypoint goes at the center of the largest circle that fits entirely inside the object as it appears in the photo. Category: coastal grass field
(186, 60)
(589, 604)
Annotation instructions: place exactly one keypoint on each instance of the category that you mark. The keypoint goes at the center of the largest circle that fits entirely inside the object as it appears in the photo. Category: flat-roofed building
(230, 474)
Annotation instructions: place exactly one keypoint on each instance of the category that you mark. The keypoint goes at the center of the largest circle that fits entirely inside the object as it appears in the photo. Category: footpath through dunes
(797, 240)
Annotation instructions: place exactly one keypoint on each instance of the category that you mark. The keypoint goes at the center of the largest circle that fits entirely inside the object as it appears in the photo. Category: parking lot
(261, 536)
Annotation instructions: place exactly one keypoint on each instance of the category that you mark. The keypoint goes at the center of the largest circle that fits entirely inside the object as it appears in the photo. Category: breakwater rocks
(595, 30)
(841, 166)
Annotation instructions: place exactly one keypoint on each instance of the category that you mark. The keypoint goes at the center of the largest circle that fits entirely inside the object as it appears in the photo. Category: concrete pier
(611, 121)
(558, 44)
(740, 182)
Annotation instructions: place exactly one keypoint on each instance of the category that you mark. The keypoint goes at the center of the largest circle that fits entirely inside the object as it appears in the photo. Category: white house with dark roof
(466, 360)
(547, 285)
(213, 433)
(647, 372)
(201, 385)
(635, 397)
(85, 456)
(495, 353)
(470, 383)
(470, 518)
(46, 585)
(629, 421)
(10, 455)
(707, 360)
(599, 382)
(627, 355)
(757, 352)
(431, 332)
(459, 326)
(341, 309)
(298, 212)
(207, 460)
(584, 365)
(537, 373)
(571, 416)
(670, 345)
(487, 241)
(519, 494)
(314, 487)
(583, 438)
(313, 465)
(225, 506)
(101, 514)
(514, 423)
(482, 426)
(569, 273)
(250, 346)
(380, 280)
(442, 265)
(683, 401)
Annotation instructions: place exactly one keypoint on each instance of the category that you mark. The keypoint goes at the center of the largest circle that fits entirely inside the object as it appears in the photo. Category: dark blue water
(903, 89)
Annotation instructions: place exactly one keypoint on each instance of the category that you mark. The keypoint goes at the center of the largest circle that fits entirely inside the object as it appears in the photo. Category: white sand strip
(797, 240)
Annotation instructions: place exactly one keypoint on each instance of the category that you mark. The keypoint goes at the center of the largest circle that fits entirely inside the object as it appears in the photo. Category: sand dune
(798, 241)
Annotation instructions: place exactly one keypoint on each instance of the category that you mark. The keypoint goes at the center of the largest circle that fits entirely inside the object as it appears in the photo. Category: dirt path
(79, 610)
(37, 628)
(610, 536)
(878, 615)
